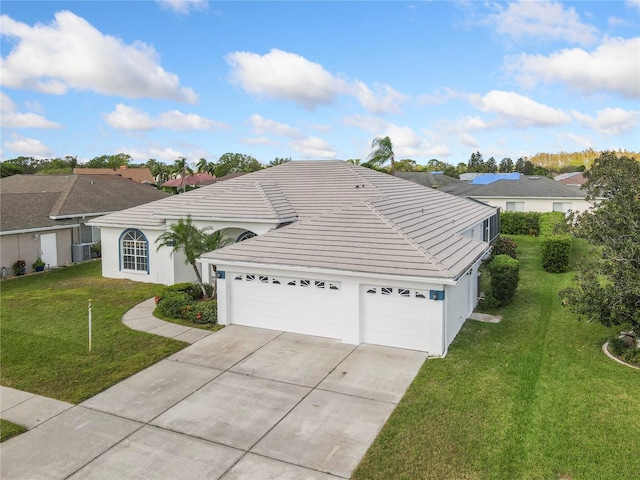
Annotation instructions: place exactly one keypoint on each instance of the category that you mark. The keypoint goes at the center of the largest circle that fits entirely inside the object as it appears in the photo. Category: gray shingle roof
(526, 187)
(30, 201)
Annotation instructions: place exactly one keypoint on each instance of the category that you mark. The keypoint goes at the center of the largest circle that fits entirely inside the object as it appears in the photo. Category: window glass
(134, 250)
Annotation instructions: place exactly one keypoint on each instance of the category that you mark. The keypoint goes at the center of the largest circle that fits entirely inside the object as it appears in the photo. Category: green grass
(8, 430)
(532, 397)
(44, 333)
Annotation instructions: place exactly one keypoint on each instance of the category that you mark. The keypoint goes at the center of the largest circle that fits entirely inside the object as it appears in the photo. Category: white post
(89, 324)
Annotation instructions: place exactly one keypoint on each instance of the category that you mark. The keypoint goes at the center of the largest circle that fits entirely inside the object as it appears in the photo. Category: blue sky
(318, 80)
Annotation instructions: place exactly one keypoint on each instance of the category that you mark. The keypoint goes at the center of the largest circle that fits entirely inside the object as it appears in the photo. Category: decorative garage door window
(399, 292)
(134, 249)
(292, 282)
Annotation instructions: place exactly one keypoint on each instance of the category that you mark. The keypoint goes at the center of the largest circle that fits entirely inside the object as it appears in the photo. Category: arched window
(245, 236)
(134, 251)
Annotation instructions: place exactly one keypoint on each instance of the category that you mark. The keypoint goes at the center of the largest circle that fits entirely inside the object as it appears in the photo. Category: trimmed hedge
(555, 242)
(504, 246)
(553, 223)
(555, 251)
(505, 274)
(519, 223)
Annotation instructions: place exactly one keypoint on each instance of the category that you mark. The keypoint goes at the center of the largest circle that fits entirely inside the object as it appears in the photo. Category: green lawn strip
(9, 429)
(45, 333)
(530, 397)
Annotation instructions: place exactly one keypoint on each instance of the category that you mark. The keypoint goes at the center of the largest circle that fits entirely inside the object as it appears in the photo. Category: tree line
(227, 163)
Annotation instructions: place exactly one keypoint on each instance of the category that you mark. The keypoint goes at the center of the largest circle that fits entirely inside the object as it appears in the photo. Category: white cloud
(468, 140)
(542, 20)
(263, 125)
(522, 111)
(285, 75)
(635, 4)
(72, 54)
(384, 100)
(183, 7)
(130, 118)
(288, 76)
(163, 154)
(10, 118)
(27, 147)
(580, 140)
(610, 121)
(470, 124)
(314, 148)
(613, 66)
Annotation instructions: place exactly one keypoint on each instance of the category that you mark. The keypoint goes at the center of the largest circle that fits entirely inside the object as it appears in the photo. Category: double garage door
(297, 305)
(390, 316)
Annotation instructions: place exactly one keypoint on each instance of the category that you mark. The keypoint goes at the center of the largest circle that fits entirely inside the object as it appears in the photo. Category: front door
(49, 252)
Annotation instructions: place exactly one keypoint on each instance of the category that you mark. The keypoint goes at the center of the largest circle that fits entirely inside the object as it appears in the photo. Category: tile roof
(137, 174)
(428, 179)
(34, 201)
(347, 217)
(525, 187)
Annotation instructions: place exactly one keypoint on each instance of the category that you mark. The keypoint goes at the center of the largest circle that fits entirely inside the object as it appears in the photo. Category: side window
(134, 251)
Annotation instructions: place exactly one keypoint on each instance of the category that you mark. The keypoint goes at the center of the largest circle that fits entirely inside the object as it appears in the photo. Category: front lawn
(44, 333)
(532, 397)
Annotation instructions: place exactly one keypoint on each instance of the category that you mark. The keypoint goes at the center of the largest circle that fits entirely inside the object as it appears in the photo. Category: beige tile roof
(348, 218)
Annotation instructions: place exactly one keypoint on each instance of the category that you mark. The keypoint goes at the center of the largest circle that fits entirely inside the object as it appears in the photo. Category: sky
(317, 80)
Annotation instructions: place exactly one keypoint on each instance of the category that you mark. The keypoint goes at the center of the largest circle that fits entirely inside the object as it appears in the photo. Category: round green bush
(171, 304)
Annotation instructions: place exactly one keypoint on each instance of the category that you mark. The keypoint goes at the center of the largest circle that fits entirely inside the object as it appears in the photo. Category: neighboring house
(46, 215)
(573, 179)
(429, 179)
(192, 180)
(137, 174)
(515, 192)
(324, 248)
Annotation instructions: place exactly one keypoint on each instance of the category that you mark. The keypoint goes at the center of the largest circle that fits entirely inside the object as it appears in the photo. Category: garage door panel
(292, 305)
(402, 318)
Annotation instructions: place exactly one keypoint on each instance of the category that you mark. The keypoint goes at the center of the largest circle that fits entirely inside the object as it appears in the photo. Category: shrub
(555, 250)
(171, 304)
(203, 312)
(519, 223)
(553, 223)
(504, 246)
(505, 274)
(191, 289)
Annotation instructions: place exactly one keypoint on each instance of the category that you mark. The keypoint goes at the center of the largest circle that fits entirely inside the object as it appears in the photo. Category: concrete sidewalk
(241, 403)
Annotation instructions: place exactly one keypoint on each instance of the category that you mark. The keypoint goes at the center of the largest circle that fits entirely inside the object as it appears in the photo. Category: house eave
(40, 229)
(333, 271)
(80, 215)
(277, 220)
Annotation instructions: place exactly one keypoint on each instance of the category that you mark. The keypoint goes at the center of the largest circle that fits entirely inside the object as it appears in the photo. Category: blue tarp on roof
(487, 178)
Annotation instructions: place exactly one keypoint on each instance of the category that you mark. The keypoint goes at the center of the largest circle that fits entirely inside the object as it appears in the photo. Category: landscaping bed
(531, 397)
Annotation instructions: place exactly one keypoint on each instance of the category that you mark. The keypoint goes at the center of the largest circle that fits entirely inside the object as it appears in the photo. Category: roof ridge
(355, 171)
(260, 185)
(409, 240)
(64, 196)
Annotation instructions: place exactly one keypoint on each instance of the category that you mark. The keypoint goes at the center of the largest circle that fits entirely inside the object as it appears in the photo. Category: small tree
(184, 236)
(608, 289)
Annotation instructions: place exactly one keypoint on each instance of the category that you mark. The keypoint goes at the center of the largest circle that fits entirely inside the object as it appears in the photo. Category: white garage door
(401, 317)
(298, 305)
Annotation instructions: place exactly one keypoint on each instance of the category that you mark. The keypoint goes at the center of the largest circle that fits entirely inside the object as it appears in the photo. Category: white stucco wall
(538, 204)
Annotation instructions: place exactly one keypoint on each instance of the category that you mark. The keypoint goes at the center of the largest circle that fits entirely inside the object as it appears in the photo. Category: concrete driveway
(242, 403)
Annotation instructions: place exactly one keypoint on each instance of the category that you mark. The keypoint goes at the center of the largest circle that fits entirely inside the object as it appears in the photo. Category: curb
(605, 349)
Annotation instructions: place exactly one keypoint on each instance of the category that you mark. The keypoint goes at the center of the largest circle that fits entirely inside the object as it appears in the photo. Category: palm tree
(381, 152)
(181, 169)
(186, 237)
(203, 165)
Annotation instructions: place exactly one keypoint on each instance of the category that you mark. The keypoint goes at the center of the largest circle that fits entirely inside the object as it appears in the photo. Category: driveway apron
(241, 403)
